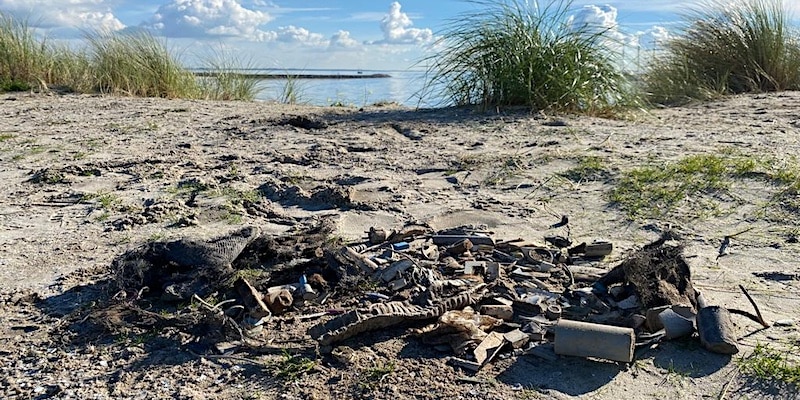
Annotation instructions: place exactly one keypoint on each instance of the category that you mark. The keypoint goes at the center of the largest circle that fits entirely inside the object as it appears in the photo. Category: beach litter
(458, 290)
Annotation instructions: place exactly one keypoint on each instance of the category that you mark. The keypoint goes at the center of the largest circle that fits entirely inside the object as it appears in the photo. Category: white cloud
(396, 27)
(77, 14)
(596, 18)
(297, 35)
(602, 20)
(202, 18)
(653, 38)
(342, 40)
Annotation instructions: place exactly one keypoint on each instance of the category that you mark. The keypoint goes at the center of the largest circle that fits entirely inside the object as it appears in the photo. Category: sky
(311, 34)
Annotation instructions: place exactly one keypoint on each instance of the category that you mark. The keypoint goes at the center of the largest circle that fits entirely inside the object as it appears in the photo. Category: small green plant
(508, 168)
(724, 48)
(123, 239)
(107, 201)
(233, 217)
(192, 186)
(156, 236)
(772, 365)
(588, 168)
(6, 136)
(374, 376)
(238, 197)
(532, 54)
(292, 367)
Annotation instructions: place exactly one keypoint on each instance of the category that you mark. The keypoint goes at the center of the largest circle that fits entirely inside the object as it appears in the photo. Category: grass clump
(772, 366)
(22, 56)
(224, 81)
(119, 63)
(588, 168)
(516, 53)
(655, 190)
(138, 64)
(291, 92)
(727, 48)
(374, 376)
(105, 200)
(292, 367)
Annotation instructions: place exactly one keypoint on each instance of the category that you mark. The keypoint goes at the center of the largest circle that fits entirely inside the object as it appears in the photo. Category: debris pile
(459, 290)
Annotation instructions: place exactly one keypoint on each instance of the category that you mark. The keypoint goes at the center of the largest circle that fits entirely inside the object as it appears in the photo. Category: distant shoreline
(300, 76)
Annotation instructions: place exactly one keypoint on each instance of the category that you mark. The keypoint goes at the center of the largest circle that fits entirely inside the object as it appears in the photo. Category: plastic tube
(584, 339)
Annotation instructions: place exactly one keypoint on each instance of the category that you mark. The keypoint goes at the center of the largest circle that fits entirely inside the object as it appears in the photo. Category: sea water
(407, 87)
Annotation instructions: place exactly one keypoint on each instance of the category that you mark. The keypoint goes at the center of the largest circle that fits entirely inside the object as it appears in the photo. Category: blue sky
(355, 34)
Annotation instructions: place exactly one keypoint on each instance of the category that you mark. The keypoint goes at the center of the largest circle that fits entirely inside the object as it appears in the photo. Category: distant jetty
(298, 76)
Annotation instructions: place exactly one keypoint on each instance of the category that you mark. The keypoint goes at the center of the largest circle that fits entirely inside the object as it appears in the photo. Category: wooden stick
(758, 312)
(724, 391)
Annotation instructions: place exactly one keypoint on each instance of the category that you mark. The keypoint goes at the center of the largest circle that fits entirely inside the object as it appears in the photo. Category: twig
(537, 187)
(758, 312)
(726, 242)
(741, 232)
(725, 387)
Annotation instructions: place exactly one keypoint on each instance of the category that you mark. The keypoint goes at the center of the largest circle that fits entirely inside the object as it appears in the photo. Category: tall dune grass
(528, 53)
(68, 70)
(727, 48)
(22, 56)
(128, 64)
(224, 80)
(137, 64)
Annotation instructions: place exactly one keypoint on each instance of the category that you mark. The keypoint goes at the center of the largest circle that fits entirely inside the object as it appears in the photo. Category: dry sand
(84, 178)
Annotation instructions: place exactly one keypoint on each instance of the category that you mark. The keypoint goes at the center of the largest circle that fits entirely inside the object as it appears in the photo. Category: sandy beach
(85, 178)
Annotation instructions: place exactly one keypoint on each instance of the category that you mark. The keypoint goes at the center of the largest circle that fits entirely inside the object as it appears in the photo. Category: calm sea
(403, 87)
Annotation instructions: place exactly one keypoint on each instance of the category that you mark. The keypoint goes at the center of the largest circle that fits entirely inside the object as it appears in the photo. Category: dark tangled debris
(479, 296)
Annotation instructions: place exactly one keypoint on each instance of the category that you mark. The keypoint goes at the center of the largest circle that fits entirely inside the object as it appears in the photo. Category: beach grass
(121, 63)
(137, 64)
(773, 366)
(22, 56)
(724, 47)
(223, 79)
(656, 190)
(520, 53)
(291, 91)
